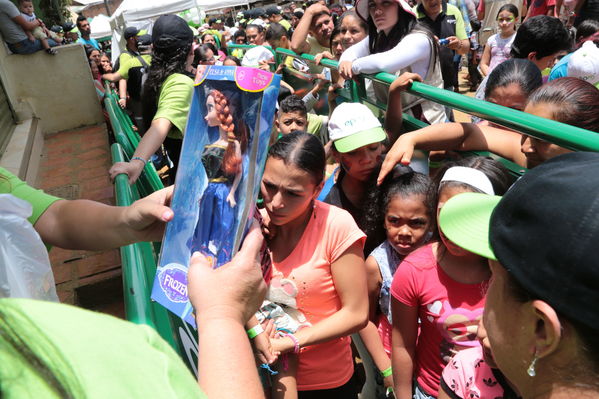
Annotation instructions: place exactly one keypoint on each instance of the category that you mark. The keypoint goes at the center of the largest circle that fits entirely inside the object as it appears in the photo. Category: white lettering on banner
(175, 285)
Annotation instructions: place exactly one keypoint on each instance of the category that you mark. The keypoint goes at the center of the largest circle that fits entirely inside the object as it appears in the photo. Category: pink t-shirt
(539, 7)
(330, 232)
(449, 312)
(468, 376)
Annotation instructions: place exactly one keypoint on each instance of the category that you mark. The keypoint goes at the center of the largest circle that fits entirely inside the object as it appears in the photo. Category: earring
(531, 369)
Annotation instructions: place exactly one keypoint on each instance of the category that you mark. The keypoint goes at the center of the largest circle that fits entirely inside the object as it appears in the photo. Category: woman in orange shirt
(316, 252)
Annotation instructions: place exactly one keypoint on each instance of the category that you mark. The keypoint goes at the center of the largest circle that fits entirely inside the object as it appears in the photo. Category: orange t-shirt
(330, 232)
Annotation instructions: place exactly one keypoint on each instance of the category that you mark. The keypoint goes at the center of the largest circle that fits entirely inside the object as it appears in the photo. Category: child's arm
(123, 93)
(485, 60)
(394, 114)
(405, 333)
(30, 35)
(261, 342)
(369, 334)
(454, 136)
(231, 196)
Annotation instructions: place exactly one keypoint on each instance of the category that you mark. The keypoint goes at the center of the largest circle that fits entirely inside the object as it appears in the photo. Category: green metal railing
(149, 181)
(558, 133)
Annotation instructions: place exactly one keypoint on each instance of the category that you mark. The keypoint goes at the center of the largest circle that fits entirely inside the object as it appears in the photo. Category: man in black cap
(274, 16)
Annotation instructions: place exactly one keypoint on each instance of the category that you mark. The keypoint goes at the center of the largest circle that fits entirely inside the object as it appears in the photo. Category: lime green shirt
(318, 126)
(40, 201)
(92, 354)
(285, 24)
(132, 62)
(174, 102)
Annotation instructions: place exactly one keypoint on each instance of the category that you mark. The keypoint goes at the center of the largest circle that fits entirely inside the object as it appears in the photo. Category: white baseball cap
(584, 63)
(352, 125)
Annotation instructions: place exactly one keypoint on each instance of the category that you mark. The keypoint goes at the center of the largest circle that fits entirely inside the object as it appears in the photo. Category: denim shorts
(420, 394)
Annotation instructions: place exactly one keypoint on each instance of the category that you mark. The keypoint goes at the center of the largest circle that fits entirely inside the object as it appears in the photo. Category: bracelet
(296, 345)
(387, 372)
(255, 331)
(139, 159)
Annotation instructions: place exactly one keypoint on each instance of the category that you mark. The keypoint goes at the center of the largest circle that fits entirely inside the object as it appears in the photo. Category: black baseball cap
(273, 10)
(171, 31)
(130, 32)
(544, 232)
(144, 40)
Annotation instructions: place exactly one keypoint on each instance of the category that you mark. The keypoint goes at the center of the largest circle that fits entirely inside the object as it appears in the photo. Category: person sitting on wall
(13, 27)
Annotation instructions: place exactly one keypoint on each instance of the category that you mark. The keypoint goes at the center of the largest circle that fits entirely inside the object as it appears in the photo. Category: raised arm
(394, 114)
(454, 136)
(300, 34)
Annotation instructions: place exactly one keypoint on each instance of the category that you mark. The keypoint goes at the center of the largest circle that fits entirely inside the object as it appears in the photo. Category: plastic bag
(25, 270)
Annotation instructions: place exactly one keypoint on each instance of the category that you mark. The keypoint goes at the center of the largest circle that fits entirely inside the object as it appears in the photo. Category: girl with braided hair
(223, 166)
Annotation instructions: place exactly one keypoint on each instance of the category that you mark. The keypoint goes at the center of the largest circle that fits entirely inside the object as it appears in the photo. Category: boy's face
(288, 122)
(26, 7)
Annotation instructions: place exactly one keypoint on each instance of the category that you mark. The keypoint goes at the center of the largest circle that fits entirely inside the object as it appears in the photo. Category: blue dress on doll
(213, 235)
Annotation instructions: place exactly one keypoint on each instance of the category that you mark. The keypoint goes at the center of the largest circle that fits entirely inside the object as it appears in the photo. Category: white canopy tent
(142, 13)
(100, 26)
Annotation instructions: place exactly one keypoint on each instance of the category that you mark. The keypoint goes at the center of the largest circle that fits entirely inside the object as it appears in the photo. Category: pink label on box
(252, 79)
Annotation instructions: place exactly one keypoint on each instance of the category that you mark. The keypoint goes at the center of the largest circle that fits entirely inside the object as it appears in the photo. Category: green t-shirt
(132, 62)
(94, 355)
(174, 102)
(318, 125)
(40, 201)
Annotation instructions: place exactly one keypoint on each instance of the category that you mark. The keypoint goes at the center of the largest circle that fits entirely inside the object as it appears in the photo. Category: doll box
(218, 178)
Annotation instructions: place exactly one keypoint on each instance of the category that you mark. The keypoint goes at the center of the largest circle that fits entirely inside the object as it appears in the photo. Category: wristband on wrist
(387, 372)
(139, 159)
(255, 331)
(296, 345)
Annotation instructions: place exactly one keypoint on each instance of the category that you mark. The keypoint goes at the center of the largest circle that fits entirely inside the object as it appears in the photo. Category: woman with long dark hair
(396, 43)
(166, 95)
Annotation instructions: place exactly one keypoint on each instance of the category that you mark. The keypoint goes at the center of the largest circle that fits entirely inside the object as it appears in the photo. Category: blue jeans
(420, 394)
(28, 47)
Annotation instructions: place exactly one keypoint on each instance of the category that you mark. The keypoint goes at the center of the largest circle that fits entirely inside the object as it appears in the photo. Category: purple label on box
(173, 282)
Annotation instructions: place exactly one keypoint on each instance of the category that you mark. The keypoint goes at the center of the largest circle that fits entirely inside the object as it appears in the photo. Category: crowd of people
(450, 279)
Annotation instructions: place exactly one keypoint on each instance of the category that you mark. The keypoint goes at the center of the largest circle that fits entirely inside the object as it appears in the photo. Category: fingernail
(167, 215)
(196, 255)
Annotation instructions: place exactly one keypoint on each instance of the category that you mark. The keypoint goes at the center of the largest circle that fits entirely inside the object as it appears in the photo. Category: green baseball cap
(465, 219)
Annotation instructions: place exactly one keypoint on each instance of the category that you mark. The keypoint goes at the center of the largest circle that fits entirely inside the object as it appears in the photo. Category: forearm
(465, 47)
(112, 77)
(225, 354)
(298, 40)
(122, 89)
(443, 136)
(372, 340)
(404, 54)
(394, 116)
(403, 371)
(84, 224)
(153, 139)
(342, 323)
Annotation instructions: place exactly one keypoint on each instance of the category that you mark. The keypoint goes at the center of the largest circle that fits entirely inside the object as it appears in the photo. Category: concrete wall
(58, 90)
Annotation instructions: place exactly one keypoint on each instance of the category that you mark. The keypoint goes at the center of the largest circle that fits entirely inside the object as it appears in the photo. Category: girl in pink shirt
(443, 286)
(316, 252)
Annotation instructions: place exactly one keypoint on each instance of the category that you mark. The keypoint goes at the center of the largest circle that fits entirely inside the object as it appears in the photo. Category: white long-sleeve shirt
(414, 51)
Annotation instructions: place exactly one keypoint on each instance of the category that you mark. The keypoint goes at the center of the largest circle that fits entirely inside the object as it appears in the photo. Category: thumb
(199, 260)
(252, 244)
